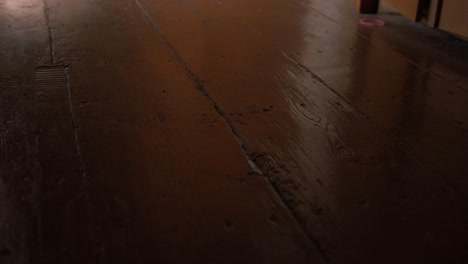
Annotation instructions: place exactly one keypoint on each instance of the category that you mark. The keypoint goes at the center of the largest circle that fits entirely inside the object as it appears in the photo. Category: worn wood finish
(24, 43)
(164, 179)
(228, 131)
(306, 82)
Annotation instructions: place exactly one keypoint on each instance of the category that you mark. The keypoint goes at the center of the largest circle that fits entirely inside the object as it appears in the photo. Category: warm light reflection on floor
(14, 6)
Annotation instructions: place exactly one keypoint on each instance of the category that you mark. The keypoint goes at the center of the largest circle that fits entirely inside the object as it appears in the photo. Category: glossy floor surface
(222, 131)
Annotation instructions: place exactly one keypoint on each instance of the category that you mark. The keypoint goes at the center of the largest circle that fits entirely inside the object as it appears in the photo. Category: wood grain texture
(268, 131)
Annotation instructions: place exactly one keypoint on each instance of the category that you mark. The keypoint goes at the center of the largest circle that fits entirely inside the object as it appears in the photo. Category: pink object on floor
(371, 22)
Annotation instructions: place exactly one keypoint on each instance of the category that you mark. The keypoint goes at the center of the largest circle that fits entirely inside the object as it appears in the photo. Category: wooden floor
(266, 131)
